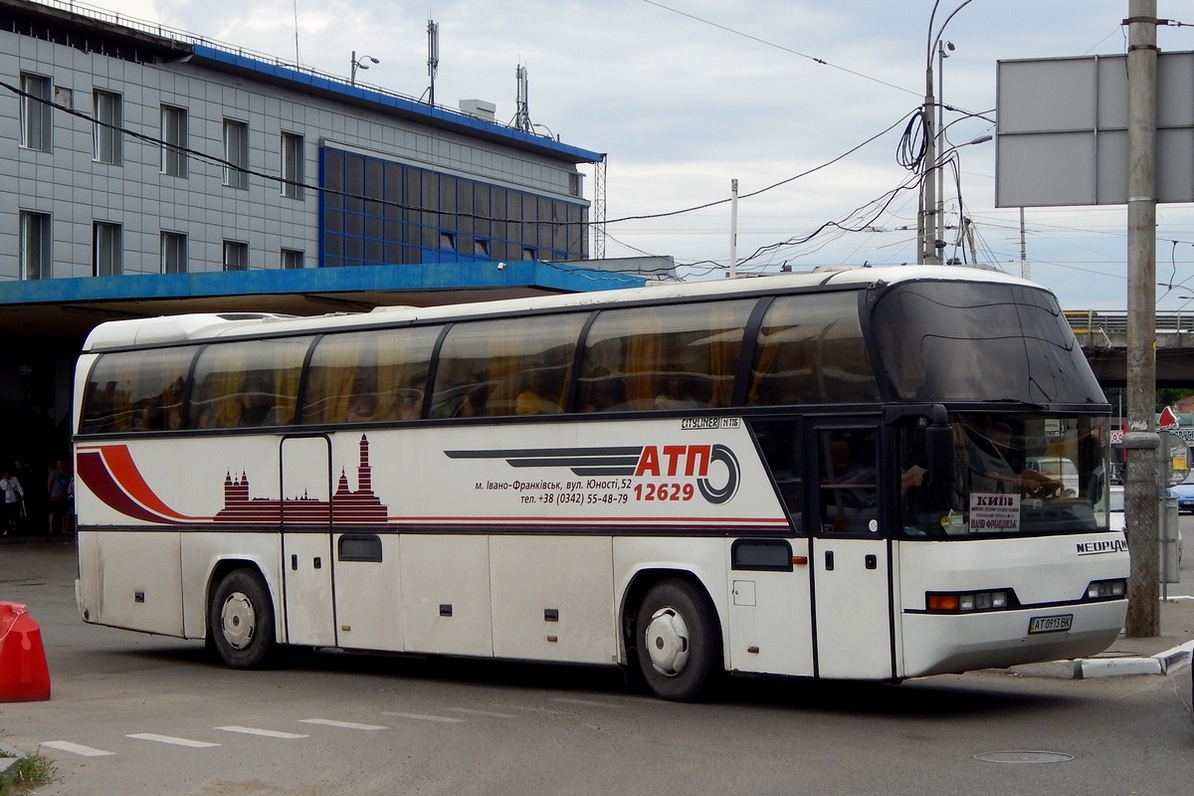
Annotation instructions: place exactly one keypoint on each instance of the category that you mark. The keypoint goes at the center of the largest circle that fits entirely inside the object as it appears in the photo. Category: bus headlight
(1106, 589)
(968, 602)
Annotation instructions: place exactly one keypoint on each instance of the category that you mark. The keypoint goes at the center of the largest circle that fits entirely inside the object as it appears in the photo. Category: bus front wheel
(678, 649)
(241, 620)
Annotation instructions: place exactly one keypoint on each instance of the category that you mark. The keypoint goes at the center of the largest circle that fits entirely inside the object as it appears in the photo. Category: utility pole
(1141, 490)
(733, 229)
(928, 223)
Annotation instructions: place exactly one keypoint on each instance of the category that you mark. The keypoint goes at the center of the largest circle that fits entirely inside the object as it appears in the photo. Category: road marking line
(259, 731)
(588, 702)
(348, 725)
(76, 748)
(490, 713)
(424, 717)
(152, 736)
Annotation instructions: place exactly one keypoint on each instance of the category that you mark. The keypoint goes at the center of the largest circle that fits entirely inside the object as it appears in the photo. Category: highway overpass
(1103, 335)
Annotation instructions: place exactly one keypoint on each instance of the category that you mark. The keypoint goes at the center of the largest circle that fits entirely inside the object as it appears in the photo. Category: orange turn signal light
(943, 602)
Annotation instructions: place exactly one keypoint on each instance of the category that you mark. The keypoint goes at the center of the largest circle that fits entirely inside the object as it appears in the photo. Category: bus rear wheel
(241, 620)
(678, 649)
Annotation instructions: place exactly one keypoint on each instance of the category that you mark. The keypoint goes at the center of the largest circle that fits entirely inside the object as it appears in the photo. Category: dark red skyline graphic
(347, 507)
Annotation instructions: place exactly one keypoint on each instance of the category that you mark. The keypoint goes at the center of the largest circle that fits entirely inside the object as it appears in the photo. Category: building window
(481, 248)
(35, 245)
(174, 141)
(236, 154)
(106, 135)
(292, 166)
(105, 249)
(447, 241)
(236, 256)
(292, 259)
(574, 184)
(36, 121)
(174, 253)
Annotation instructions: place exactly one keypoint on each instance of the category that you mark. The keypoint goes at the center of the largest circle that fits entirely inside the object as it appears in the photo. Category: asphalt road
(133, 715)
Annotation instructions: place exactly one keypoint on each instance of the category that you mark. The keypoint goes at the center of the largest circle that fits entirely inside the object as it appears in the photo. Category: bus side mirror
(939, 450)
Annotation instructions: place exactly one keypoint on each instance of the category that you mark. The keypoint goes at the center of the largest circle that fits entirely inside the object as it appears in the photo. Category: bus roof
(203, 326)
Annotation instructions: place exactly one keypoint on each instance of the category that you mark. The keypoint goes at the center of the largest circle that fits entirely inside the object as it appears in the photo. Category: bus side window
(810, 350)
(246, 384)
(849, 491)
(780, 441)
(685, 358)
(507, 367)
(130, 392)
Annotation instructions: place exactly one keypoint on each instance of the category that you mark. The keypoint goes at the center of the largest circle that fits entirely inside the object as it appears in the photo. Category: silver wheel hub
(238, 621)
(667, 641)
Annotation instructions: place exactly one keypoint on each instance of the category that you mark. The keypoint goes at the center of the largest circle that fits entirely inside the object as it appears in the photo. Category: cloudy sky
(686, 95)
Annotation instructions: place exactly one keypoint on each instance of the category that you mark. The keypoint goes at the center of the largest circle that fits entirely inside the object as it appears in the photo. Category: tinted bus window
(810, 351)
(247, 384)
(369, 376)
(674, 357)
(508, 367)
(140, 391)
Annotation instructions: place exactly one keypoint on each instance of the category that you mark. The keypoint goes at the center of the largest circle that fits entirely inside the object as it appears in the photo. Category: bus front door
(306, 542)
(850, 558)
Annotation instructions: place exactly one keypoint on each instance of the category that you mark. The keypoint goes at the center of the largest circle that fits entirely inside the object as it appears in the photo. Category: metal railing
(1104, 328)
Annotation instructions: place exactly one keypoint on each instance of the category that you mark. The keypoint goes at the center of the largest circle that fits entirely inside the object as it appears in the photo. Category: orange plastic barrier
(24, 676)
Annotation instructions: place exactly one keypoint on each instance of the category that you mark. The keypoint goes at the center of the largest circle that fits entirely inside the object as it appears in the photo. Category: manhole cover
(1024, 757)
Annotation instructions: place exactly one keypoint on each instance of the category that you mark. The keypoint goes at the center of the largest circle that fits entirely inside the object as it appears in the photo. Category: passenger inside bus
(603, 391)
(476, 394)
(675, 394)
(362, 408)
(531, 398)
(256, 403)
(410, 404)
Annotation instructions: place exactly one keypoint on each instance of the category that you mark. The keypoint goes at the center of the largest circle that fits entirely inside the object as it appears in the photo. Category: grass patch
(29, 773)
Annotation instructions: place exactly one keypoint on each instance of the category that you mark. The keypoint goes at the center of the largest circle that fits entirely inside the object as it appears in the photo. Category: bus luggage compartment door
(306, 542)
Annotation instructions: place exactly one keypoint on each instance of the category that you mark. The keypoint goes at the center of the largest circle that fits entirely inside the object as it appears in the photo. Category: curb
(8, 762)
(1164, 663)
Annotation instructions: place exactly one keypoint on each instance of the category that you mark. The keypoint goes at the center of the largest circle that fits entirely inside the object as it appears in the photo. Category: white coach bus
(815, 476)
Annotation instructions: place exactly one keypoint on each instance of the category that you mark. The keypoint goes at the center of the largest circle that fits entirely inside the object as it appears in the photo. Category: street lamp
(928, 205)
(360, 63)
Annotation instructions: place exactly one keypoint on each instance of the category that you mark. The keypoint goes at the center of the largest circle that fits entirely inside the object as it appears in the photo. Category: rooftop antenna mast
(522, 116)
(432, 57)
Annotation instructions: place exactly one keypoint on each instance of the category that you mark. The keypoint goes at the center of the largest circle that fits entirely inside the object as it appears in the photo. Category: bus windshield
(975, 341)
(1014, 473)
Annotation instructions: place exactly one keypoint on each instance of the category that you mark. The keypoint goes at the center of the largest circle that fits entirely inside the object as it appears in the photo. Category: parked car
(1115, 508)
(1185, 497)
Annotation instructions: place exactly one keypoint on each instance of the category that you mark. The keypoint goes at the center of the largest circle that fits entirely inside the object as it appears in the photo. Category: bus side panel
(445, 594)
(202, 552)
(369, 596)
(661, 557)
(553, 598)
(131, 579)
(1049, 571)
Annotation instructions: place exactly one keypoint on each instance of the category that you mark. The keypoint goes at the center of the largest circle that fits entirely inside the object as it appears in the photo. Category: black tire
(240, 622)
(677, 640)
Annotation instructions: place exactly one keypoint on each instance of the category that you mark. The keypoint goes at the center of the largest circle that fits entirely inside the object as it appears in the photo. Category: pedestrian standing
(14, 503)
(58, 486)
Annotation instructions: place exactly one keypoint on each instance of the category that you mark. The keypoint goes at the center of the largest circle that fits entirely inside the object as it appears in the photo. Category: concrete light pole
(927, 251)
(1141, 489)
